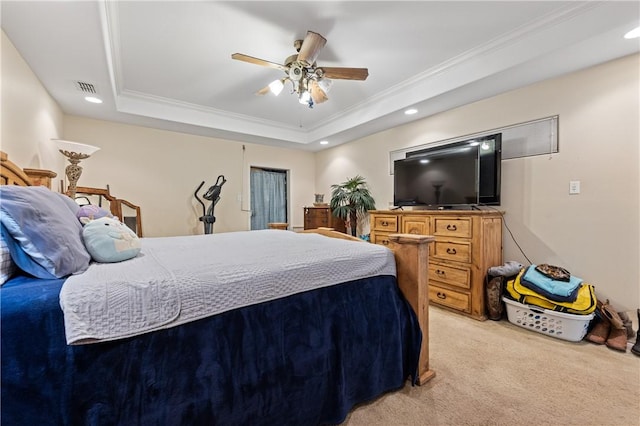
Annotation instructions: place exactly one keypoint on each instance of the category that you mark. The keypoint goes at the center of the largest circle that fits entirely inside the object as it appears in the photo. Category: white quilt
(175, 280)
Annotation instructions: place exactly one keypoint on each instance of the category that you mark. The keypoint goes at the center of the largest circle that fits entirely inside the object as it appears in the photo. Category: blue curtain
(268, 197)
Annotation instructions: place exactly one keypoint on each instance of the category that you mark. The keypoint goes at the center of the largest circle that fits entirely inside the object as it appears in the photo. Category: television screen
(462, 173)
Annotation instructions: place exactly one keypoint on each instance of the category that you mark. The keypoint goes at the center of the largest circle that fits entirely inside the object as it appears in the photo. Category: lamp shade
(276, 87)
(325, 84)
(304, 98)
(79, 148)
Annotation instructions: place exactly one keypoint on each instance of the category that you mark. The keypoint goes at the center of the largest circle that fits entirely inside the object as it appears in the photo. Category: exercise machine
(213, 195)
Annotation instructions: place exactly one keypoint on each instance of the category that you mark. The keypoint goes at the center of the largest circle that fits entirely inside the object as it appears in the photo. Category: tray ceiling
(168, 65)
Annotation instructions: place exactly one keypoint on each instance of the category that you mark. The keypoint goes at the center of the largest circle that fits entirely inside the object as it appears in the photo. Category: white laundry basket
(570, 327)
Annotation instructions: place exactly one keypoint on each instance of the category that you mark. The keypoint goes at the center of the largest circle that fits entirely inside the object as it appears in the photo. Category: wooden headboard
(11, 174)
(14, 175)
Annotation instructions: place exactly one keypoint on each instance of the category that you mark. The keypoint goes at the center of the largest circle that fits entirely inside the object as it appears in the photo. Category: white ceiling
(167, 64)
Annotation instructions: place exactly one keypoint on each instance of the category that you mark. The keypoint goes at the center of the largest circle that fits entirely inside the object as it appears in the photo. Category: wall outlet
(574, 187)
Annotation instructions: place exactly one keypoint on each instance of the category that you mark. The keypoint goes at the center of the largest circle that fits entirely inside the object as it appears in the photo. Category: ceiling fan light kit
(310, 83)
(276, 87)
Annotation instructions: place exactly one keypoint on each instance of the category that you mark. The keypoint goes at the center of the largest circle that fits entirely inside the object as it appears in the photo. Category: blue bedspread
(302, 360)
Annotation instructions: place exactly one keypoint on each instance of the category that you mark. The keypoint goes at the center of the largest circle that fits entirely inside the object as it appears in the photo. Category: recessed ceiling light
(324, 142)
(411, 111)
(634, 33)
(93, 99)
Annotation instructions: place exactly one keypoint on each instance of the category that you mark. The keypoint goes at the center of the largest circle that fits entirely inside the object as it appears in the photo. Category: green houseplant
(351, 200)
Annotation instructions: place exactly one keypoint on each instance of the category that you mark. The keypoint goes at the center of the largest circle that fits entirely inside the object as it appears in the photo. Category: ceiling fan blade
(274, 87)
(257, 61)
(263, 91)
(345, 73)
(310, 48)
(317, 94)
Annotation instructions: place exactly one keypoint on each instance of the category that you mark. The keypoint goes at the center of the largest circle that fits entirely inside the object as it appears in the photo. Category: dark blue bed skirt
(302, 360)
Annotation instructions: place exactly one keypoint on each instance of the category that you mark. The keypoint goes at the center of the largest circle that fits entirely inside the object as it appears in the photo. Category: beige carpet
(495, 373)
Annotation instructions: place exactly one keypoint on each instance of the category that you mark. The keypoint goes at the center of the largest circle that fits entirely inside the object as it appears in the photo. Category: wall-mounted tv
(460, 174)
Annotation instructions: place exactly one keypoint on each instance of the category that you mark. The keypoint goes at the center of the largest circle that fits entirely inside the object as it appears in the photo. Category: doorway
(269, 203)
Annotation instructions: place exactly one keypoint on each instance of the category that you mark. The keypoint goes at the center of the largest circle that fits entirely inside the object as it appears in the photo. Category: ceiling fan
(310, 82)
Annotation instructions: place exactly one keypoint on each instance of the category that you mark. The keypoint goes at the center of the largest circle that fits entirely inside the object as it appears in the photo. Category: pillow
(42, 232)
(108, 240)
(7, 266)
(73, 206)
(90, 212)
(21, 259)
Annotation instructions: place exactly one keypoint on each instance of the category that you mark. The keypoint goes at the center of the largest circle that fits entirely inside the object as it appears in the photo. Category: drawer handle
(451, 251)
(440, 272)
(452, 227)
(385, 242)
(384, 223)
(441, 295)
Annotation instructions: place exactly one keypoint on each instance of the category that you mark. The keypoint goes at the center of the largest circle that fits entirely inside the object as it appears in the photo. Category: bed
(304, 353)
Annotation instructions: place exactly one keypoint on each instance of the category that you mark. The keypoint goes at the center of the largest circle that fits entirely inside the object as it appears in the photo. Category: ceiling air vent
(85, 87)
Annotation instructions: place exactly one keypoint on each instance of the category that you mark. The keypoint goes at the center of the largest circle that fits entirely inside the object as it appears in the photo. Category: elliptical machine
(213, 195)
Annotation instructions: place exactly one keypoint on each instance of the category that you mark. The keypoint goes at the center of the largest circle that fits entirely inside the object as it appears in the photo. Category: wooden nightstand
(40, 177)
(321, 217)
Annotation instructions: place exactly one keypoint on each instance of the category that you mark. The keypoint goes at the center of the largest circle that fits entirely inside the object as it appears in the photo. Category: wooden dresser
(466, 244)
(321, 217)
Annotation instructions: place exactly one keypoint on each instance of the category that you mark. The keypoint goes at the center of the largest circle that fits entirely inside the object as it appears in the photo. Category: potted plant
(351, 200)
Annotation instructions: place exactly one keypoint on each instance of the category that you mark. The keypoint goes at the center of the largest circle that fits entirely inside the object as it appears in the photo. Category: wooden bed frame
(411, 253)
(12, 174)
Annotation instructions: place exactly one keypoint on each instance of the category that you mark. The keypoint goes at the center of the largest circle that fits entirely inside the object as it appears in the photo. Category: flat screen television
(457, 175)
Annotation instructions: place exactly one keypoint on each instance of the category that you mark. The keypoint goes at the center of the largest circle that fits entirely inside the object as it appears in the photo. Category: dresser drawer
(450, 298)
(459, 251)
(380, 238)
(455, 276)
(417, 225)
(318, 222)
(452, 227)
(385, 223)
(316, 217)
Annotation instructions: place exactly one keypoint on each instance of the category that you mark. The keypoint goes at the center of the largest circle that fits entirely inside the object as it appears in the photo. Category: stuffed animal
(91, 212)
(108, 240)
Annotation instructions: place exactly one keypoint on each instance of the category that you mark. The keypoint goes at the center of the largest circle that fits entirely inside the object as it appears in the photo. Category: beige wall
(160, 170)
(595, 235)
(29, 116)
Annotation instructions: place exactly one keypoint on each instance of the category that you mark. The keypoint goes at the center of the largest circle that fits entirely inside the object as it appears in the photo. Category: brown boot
(494, 289)
(609, 313)
(617, 339)
(636, 347)
(599, 332)
(628, 325)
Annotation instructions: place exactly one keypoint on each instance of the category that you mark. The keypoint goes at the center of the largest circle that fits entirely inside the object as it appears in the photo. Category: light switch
(574, 187)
